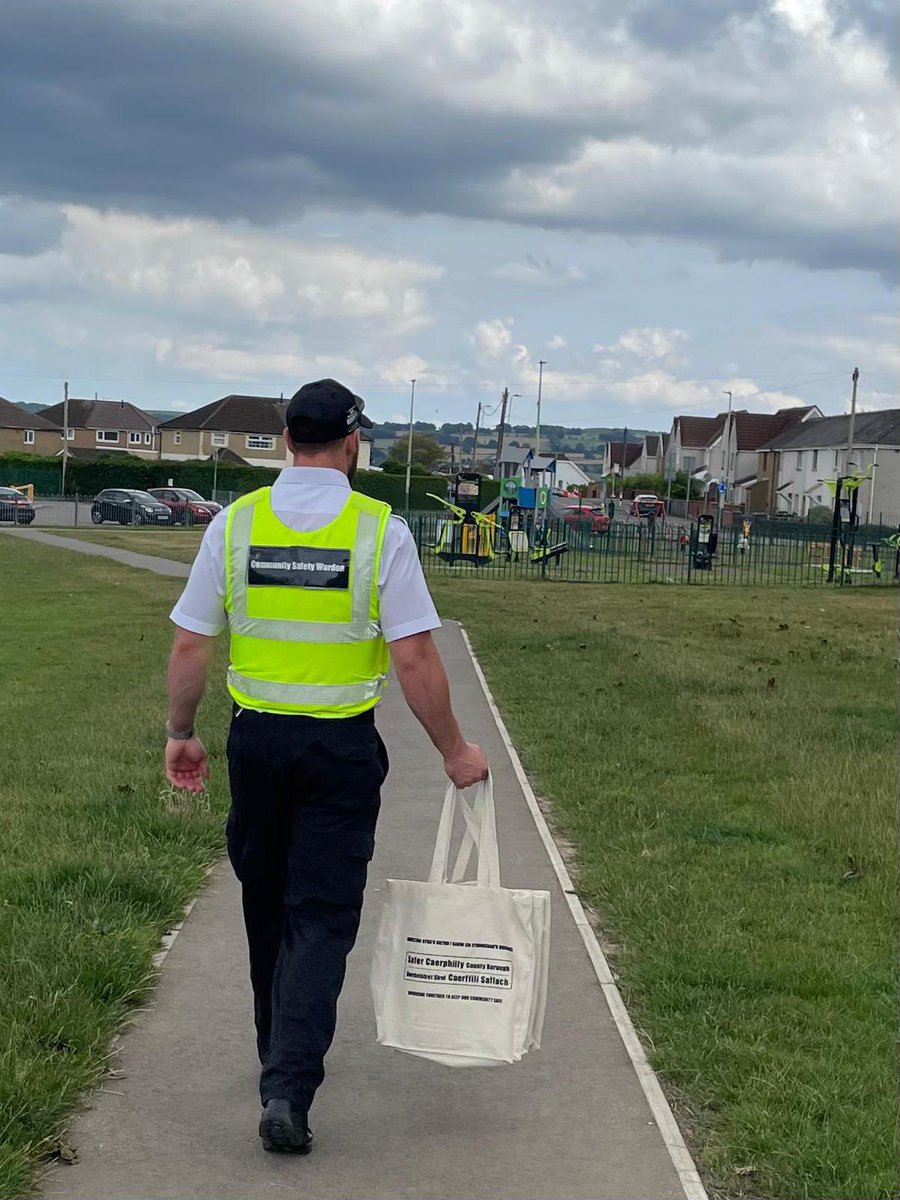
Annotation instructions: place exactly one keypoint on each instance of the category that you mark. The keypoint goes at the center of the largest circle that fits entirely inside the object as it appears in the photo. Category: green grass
(179, 544)
(714, 815)
(96, 858)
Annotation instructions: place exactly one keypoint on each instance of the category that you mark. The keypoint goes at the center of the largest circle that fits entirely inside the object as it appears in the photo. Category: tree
(425, 451)
(393, 466)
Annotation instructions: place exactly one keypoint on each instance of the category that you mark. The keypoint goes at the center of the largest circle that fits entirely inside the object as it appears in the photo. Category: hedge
(86, 477)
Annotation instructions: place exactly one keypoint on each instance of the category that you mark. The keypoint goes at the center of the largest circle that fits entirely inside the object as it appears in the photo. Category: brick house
(29, 432)
(110, 426)
(248, 428)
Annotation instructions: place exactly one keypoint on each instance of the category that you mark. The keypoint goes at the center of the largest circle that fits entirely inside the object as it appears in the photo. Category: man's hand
(466, 766)
(187, 764)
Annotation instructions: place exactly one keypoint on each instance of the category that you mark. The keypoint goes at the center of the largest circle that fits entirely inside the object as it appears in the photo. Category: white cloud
(557, 342)
(403, 369)
(645, 344)
(493, 339)
(197, 266)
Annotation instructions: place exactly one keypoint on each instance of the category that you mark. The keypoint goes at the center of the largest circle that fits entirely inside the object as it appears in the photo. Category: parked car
(129, 506)
(592, 517)
(187, 506)
(15, 507)
(646, 504)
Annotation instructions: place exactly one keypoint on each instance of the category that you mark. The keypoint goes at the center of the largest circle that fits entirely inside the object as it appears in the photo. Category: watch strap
(179, 735)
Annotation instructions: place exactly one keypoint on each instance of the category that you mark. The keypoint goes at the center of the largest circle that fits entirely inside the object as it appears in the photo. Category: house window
(176, 439)
(29, 437)
(148, 439)
(689, 463)
(220, 439)
(815, 459)
(70, 435)
(836, 458)
(799, 459)
(134, 439)
(260, 441)
(108, 435)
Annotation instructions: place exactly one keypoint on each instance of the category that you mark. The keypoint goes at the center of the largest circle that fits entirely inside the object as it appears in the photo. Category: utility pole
(726, 450)
(852, 429)
(504, 401)
(624, 449)
(409, 443)
(475, 444)
(537, 433)
(65, 453)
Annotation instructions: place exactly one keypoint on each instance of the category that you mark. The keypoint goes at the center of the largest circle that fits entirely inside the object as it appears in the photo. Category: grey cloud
(27, 228)
(166, 110)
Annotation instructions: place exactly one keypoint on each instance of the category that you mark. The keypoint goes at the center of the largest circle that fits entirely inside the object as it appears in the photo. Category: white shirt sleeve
(201, 608)
(405, 602)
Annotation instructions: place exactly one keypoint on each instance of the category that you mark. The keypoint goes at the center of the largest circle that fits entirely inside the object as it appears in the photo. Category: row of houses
(771, 462)
(239, 429)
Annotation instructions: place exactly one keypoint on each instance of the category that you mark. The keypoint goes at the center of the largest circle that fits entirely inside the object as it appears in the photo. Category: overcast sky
(661, 199)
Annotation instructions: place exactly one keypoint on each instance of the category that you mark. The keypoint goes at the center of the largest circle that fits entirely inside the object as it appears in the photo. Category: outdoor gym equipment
(471, 536)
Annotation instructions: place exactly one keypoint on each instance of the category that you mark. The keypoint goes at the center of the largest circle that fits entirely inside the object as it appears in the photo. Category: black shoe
(283, 1128)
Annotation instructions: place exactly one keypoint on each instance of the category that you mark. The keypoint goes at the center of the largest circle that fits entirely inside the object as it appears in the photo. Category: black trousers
(305, 798)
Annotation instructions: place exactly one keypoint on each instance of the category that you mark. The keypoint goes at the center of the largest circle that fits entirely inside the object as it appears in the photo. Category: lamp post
(726, 465)
(65, 453)
(537, 432)
(409, 443)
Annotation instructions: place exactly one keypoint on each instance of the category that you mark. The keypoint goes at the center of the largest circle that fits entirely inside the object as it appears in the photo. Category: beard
(351, 466)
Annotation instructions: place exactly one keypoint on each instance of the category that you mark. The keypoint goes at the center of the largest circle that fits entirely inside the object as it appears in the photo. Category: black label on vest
(298, 566)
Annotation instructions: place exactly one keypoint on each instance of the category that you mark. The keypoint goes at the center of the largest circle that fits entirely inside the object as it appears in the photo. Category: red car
(591, 517)
(188, 507)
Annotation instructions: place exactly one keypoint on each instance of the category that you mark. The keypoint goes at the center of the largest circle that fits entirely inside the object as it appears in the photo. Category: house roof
(228, 455)
(632, 453)
(235, 414)
(93, 452)
(100, 414)
(830, 433)
(757, 429)
(14, 417)
(700, 431)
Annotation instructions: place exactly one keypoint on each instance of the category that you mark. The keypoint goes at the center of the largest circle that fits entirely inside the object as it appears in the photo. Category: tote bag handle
(480, 835)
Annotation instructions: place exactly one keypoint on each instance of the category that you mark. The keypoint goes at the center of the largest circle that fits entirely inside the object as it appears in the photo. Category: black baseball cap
(324, 411)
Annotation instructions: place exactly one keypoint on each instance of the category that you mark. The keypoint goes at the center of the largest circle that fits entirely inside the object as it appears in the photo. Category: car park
(591, 517)
(186, 506)
(15, 507)
(129, 506)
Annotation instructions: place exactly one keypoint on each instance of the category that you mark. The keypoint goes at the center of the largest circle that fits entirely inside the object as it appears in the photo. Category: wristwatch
(181, 735)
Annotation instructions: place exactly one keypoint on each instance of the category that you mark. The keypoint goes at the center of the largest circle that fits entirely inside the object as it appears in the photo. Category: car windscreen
(144, 497)
(187, 494)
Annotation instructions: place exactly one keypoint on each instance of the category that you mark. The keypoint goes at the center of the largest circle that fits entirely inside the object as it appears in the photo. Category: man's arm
(186, 761)
(425, 688)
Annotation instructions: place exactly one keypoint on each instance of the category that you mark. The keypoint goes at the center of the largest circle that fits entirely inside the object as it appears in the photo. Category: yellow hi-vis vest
(303, 609)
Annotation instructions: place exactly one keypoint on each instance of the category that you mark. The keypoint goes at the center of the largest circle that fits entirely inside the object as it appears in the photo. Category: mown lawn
(724, 761)
(97, 859)
(179, 544)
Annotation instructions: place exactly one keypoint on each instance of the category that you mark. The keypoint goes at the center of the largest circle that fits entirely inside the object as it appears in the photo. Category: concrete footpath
(570, 1122)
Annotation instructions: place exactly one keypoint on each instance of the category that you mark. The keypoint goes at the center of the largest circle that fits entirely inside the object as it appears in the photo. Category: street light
(726, 466)
(537, 433)
(409, 444)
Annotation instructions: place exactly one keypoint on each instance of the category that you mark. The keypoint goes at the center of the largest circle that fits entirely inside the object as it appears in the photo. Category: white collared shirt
(306, 498)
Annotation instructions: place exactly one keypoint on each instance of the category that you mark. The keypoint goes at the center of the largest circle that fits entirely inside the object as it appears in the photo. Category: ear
(353, 442)
(287, 440)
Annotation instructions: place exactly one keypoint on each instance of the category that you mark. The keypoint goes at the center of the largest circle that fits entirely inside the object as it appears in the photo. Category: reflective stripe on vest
(304, 695)
(358, 629)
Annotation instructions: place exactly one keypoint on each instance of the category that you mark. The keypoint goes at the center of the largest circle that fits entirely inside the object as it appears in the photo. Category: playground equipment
(471, 536)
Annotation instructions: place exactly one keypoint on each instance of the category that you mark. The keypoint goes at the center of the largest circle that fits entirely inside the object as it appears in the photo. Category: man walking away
(320, 587)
